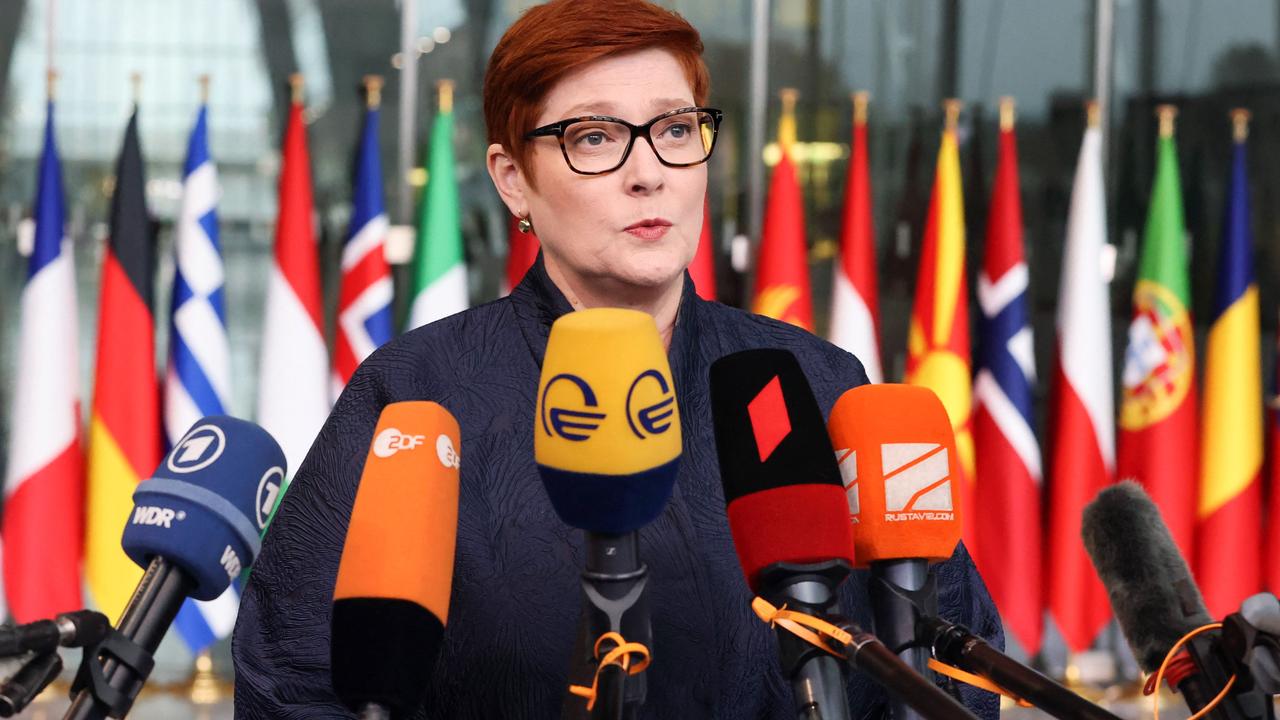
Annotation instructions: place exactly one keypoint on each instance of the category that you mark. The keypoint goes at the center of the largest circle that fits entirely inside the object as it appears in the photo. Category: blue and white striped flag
(198, 380)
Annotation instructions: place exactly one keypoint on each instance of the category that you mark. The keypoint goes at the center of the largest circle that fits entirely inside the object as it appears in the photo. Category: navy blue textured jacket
(515, 604)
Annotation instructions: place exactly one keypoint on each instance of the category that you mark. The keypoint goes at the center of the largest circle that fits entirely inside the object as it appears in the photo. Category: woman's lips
(649, 229)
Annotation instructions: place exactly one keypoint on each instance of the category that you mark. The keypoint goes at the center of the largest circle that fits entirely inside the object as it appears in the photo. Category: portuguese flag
(1158, 441)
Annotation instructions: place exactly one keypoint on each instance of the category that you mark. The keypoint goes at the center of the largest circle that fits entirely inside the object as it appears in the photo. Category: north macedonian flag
(938, 355)
(1229, 545)
(782, 267)
(1158, 441)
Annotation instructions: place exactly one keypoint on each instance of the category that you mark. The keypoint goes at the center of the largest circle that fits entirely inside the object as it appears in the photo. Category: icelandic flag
(364, 298)
(198, 380)
(44, 481)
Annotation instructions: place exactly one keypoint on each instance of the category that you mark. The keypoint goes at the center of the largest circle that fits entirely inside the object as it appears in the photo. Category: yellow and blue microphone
(607, 434)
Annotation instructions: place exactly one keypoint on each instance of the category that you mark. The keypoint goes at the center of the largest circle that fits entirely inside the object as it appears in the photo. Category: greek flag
(198, 380)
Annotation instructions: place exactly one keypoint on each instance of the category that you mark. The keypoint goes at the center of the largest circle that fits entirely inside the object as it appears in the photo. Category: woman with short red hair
(598, 119)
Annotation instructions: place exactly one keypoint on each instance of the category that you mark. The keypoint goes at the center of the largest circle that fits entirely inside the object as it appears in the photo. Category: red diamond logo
(769, 420)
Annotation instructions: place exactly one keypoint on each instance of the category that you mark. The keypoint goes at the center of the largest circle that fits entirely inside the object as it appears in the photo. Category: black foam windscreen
(769, 429)
(382, 651)
(1152, 594)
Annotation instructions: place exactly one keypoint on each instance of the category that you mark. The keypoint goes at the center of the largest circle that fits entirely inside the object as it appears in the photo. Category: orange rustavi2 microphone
(391, 599)
(897, 455)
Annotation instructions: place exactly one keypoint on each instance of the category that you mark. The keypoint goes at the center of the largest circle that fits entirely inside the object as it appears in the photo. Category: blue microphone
(195, 525)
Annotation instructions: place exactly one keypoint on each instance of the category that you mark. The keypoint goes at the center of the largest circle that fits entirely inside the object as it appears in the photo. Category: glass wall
(909, 54)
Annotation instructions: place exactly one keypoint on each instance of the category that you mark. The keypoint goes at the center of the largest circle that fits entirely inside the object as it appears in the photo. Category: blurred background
(909, 54)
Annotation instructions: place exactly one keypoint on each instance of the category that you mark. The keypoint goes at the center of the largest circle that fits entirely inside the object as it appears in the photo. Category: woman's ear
(508, 179)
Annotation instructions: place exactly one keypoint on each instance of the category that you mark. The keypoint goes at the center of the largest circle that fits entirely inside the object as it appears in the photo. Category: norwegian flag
(364, 297)
(1009, 470)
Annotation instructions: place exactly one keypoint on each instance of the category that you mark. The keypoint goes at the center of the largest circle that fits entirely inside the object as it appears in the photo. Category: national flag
(1229, 543)
(522, 250)
(43, 524)
(365, 292)
(124, 426)
(1008, 481)
(1158, 441)
(782, 266)
(855, 300)
(938, 355)
(1271, 571)
(703, 267)
(439, 268)
(198, 380)
(293, 378)
(1082, 448)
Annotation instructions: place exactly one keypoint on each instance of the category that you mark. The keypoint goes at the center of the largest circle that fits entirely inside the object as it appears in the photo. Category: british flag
(364, 297)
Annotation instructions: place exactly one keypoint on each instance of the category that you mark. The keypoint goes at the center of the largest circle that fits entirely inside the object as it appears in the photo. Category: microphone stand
(817, 681)
(955, 645)
(33, 677)
(613, 586)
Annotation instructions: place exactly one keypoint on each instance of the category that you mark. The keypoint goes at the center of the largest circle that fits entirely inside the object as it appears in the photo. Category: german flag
(1229, 550)
(124, 428)
(938, 355)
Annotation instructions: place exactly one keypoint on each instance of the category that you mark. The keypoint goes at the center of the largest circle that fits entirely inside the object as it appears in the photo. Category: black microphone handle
(34, 676)
(955, 645)
(146, 619)
(40, 636)
(817, 678)
(905, 685)
(900, 591)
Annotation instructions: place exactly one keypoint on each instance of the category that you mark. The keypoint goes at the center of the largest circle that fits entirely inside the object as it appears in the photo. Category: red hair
(551, 40)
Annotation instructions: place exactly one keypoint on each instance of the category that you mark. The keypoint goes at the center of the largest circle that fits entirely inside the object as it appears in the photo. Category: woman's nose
(642, 172)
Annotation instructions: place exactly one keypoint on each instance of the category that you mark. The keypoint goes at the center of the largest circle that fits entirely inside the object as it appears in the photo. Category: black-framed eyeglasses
(598, 144)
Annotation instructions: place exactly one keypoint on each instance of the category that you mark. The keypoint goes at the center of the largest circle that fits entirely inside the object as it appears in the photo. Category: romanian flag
(938, 339)
(1007, 483)
(1158, 442)
(1271, 570)
(782, 268)
(703, 267)
(1229, 547)
(124, 427)
(855, 302)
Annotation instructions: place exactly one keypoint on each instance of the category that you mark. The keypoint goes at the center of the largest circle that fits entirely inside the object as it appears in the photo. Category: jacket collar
(538, 303)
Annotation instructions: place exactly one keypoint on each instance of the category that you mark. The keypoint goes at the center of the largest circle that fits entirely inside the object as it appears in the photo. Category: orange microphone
(391, 599)
(897, 456)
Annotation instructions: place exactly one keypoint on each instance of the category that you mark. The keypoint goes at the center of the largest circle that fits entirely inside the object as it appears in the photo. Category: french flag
(1009, 472)
(43, 524)
(365, 293)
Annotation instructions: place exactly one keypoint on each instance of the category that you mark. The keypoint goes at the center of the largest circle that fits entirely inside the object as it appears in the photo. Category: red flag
(782, 267)
(1007, 484)
(522, 250)
(855, 303)
(703, 267)
(1081, 414)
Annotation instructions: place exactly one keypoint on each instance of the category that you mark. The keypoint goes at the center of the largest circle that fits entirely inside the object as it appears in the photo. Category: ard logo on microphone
(917, 482)
(568, 413)
(391, 441)
(198, 449)
(650, 404)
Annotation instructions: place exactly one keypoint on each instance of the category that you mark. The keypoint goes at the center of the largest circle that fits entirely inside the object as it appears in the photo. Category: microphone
(34, 676)
(73, 629)
(786, 507)
(1157, 603)
(391, 598)
(896, 448)
(194, 527)
(607, 443)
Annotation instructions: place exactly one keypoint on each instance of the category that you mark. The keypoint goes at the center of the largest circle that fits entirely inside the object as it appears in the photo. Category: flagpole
(1240, 124)
(295, 88)
(408, 110)
(757, 117)
(1167, 115)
